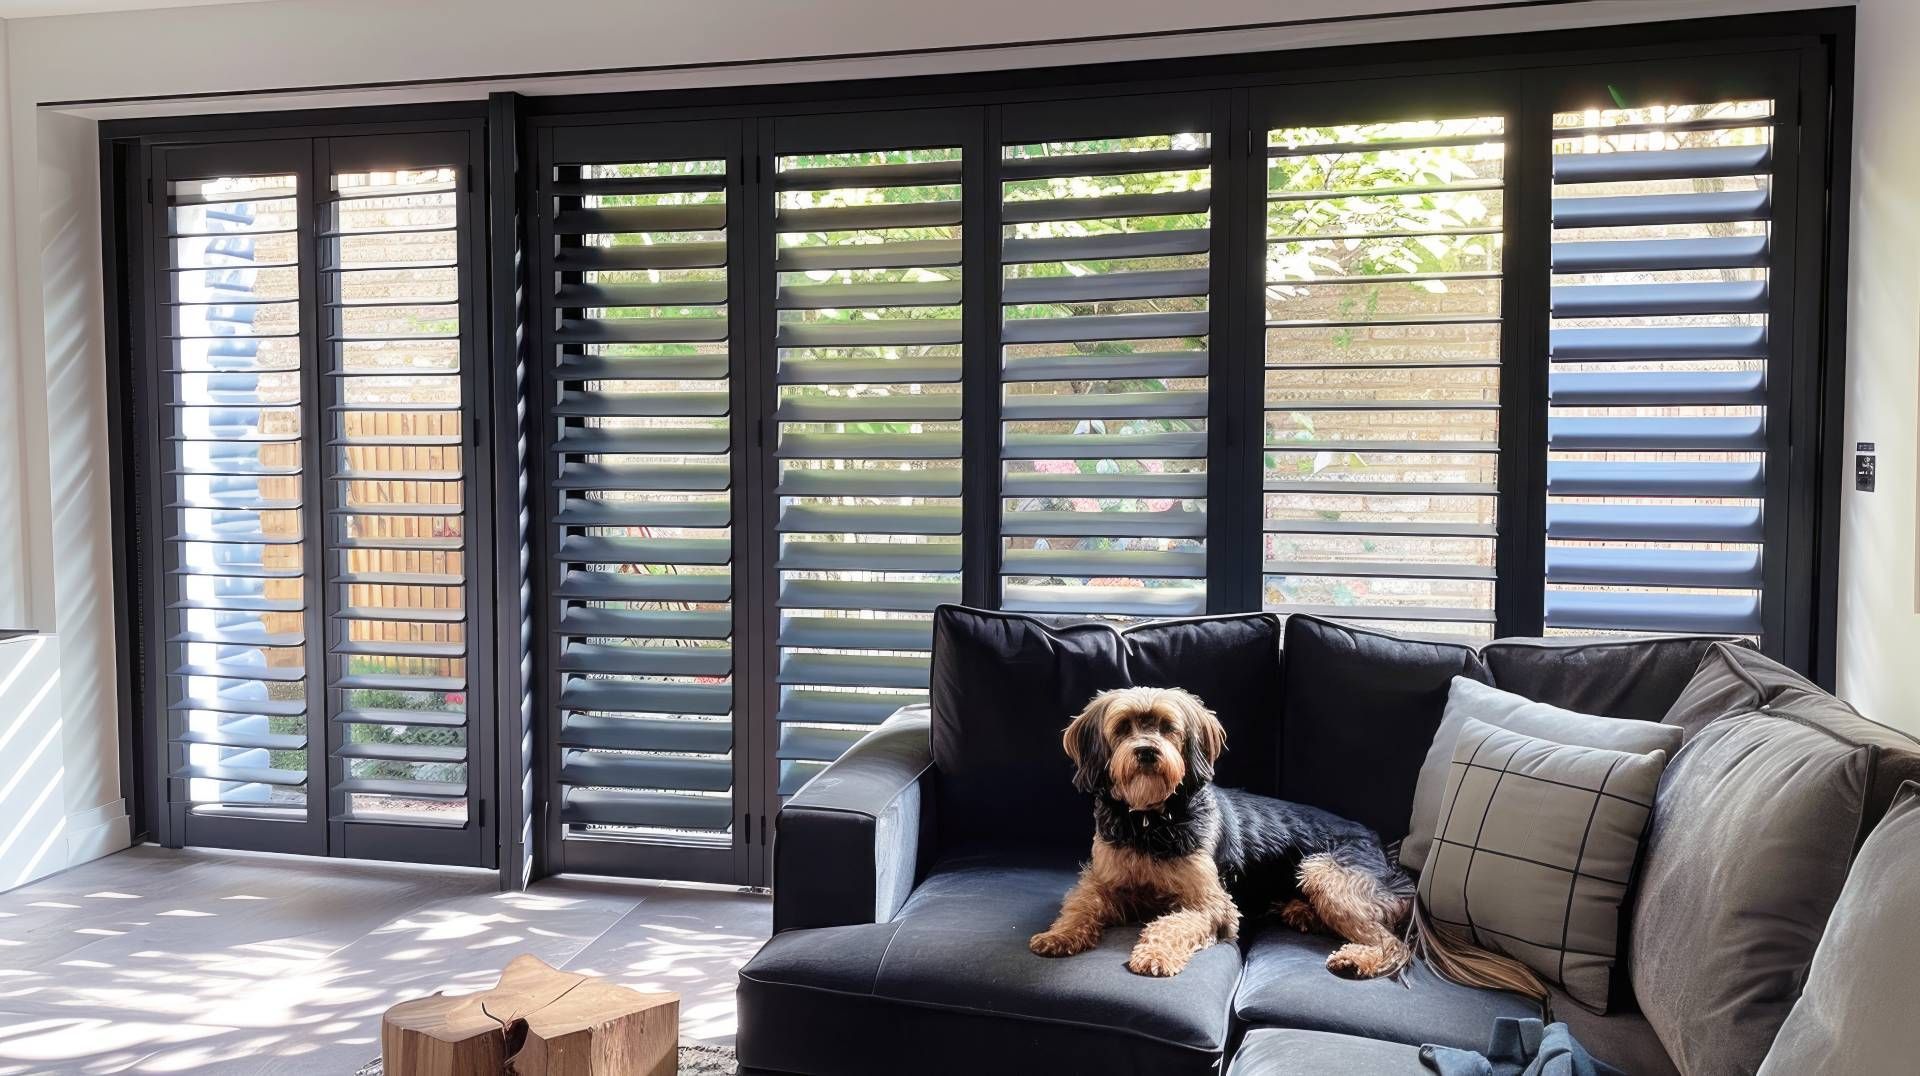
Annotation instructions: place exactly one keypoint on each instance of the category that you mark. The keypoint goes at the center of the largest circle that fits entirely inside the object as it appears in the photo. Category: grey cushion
(1752, 831)
(1535, 850)
(1287, 984)
(1635, 677)
(949, 983)
(1735, 680)
(1856, 1014)
(1286, 1052)
(1472, 699)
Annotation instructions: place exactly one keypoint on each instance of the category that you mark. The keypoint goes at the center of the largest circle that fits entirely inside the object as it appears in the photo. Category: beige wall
(1879, 623)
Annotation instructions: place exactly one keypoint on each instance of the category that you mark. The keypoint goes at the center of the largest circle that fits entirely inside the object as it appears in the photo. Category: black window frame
(1813, 48)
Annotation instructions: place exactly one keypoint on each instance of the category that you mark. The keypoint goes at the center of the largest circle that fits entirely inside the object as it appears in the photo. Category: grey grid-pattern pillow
(1535, 849)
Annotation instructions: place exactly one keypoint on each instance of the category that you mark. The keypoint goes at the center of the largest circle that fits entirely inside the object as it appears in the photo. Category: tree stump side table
(536, 1022)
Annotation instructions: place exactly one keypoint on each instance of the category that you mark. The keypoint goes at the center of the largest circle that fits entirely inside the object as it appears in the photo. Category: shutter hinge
(153, 190)
(480, 813)
(1253, 142)
(746, 827)
(763, 829)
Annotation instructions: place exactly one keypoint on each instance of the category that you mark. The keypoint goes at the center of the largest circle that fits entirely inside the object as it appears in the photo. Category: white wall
(1879, 644)
(55, 556)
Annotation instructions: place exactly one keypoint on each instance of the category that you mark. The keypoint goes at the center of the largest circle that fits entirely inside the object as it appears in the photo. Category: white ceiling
(31, 9)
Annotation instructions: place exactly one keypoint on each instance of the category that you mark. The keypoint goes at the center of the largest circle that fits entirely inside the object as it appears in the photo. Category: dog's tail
(1457, 960)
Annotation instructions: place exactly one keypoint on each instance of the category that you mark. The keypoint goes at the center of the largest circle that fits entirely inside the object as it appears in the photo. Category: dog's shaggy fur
(1173, 851)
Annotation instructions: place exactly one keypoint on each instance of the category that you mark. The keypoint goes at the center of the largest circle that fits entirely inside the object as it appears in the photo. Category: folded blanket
(1519, 1048)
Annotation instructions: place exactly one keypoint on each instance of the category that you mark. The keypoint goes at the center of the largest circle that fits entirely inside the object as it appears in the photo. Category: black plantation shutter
(866, 346)
(1382, 211)
(637, 289)
(397, 269)
(1662, 358)
(1106, 277)
(244, 741)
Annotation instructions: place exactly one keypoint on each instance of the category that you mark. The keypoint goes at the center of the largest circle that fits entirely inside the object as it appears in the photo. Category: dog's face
(1140, 744)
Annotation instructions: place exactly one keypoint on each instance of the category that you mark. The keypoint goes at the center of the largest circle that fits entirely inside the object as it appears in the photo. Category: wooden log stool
(536, 1022)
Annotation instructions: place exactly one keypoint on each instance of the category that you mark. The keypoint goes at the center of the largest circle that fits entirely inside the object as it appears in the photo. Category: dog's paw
(1155, 961)
(1300, 915)
(1356, 961)
(1058, 943)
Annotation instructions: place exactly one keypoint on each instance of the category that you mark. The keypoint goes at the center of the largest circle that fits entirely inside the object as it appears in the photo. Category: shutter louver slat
(235, 602)
(1105, 279)
(643, 435)
(1656, 473)
(1382, 363)
(868, 307)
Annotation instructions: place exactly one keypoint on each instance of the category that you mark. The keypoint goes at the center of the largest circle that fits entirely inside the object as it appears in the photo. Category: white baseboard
(101, 831)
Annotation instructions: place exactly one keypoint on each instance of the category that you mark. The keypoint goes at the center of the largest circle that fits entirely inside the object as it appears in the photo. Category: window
(1661, 356)
(867, 345)
(1382, 309)
(1105, 324)
(315, 386)
(1456, 346)
(636, 304)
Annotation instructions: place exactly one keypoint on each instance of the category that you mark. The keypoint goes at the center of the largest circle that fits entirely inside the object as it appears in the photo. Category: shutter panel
(1382, 369)
(1660, 353)
(236, 383)
(398, 560)
(867, 341)
(1106, 274)
(640, 397)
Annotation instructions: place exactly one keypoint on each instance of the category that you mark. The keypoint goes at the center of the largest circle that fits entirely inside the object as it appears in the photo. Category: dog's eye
(1166, 728)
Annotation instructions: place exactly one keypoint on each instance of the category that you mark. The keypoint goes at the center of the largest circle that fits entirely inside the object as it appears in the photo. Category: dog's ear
(1086, 744)
(1206, 739)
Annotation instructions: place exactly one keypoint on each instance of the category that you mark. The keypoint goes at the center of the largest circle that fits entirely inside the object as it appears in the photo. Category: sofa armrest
(847, 847)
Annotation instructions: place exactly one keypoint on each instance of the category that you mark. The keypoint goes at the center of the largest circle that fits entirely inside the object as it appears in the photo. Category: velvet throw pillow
(1535, 851)
(1469, 699)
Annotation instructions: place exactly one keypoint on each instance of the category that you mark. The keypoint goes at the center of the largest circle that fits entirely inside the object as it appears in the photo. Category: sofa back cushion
(1233, 664)
(1856, 1013)
(1752, 830)
(1737, 680)
(1637, 678)
(1004, 686)
(1361, 711)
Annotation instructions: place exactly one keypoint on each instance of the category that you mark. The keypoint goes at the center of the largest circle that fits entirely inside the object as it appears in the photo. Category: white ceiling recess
(35, 9)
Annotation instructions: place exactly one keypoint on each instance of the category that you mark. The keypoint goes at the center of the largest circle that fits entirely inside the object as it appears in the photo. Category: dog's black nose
(1146, 754)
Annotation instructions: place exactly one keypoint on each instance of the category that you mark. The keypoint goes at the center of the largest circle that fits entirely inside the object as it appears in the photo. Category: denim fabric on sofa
(909, 875)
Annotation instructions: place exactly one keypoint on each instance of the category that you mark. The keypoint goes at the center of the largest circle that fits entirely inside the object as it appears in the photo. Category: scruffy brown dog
(1167, 845)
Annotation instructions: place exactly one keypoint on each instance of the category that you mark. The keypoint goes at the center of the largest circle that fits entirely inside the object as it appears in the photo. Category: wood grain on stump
(536, 1022)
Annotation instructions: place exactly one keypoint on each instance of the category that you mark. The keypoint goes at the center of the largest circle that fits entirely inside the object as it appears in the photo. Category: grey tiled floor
(199, 962)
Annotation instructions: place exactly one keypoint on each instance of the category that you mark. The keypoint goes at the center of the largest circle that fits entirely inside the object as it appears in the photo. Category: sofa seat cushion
(1290, 1052)
(1624, 1040)
(1287, 984)
(949, 986)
